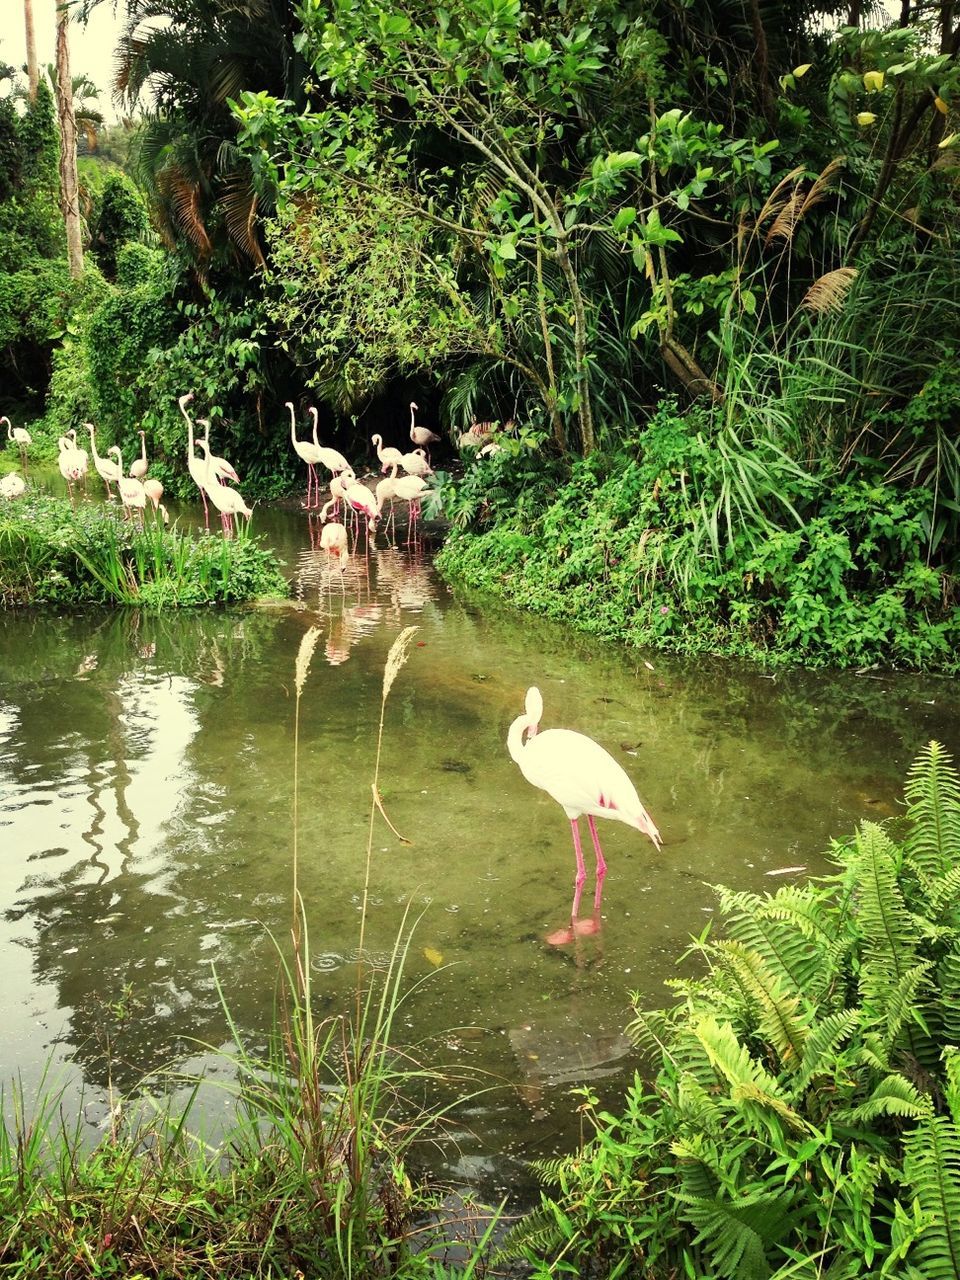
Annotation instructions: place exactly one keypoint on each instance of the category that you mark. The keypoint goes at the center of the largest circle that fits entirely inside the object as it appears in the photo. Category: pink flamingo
(583, 778)
(421, 435)
(154, 490)
(229, 502)
(195, 465)
(21, 437)
(72, 466)
(334, 462)
(333, 542)
(389, 457)
(410, 489)
(222, 469)
(359, 498)
(138, 468)
(309, 454)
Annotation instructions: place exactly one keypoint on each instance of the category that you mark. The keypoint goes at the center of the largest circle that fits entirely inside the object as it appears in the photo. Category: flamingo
(227, 501)
(195, 465)
(410, 489)
(82, 454)
(20, 437)
(138, 468)
(338, 487)
(416, 463)
(309, 454)
(389, 457)
(106, 470)
(421, 435)
(221, 468)
(333, 541)
(72, 465)
(154, 490)
(12, 485)
(334, 462)
(131, 491)
(583, 778)
(359, 498)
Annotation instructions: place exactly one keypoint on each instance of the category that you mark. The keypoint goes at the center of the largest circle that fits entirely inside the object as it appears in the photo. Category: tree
(32, 73)
(69, 187)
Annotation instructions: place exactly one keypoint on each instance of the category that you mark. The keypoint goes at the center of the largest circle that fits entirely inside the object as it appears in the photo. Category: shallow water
(145, 828)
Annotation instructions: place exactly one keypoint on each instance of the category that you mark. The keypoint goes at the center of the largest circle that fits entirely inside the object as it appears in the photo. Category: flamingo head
(185, 400)
(533, 706)
(414, 405)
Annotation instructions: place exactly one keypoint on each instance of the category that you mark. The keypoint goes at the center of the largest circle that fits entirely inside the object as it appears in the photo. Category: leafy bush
(53, 554)
(805, 1116)
(696, 540)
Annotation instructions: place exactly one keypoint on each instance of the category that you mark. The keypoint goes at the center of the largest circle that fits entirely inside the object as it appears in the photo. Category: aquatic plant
(804, 1119)
(51, 553)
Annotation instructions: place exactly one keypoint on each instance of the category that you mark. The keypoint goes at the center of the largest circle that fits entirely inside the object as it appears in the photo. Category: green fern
(793, 954)
(893, 1096)
(932, 792)
(889, 932)
(779, 1013)
(820, 1049)
(932, 1170)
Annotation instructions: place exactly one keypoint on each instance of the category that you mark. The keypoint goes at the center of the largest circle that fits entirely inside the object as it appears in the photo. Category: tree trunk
(32, 73)
(69, 196)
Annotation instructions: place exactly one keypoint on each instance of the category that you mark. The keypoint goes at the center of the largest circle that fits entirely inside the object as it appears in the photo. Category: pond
(145, 829)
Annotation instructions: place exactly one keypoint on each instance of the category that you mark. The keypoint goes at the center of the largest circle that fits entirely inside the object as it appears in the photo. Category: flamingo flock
(404, 475)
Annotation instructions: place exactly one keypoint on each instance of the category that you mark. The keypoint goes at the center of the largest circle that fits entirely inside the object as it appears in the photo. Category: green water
(145, 828)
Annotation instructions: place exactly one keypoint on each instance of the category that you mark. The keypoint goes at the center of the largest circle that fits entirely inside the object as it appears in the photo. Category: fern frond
(947, 987)
(736, 1234)
(893, 1096)
(932, 1170)
(787, 941)
(902, 999)
(889, 931)
(932, 792)
(819, 1054)
(779, 1019)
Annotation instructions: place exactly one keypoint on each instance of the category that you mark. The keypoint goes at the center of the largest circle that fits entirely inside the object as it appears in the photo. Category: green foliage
(53, 554)
(702, 539)
(805, 1116)
(119, 218)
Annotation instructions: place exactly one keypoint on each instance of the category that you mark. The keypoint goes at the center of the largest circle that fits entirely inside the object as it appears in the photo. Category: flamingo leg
(601, 863)
(581, 870)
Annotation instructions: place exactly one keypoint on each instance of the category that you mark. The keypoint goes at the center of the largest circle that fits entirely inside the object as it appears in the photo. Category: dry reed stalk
(829, 291)
(396, 658)
(301, 671)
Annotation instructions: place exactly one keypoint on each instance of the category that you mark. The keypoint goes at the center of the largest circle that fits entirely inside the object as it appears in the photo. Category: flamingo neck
(515, 743)
(316, 419)
(293, 427)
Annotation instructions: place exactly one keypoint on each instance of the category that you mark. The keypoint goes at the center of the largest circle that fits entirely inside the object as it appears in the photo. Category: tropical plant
(804, 1119)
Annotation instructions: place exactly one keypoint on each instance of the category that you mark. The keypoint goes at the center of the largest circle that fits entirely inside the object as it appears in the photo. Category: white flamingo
(338, 487)
(389, 457)
(334, 462)
(20, 437)
(583, 778)
(195, 465)
(222, 469)
(138, 468)
(308, 453)
(12, 485)
(416, 463)
(106, 470)
(71, 465)
(421, 435)
(132, 493)
(229, 502)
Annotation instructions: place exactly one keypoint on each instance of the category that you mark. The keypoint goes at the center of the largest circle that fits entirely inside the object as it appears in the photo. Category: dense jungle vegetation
(702, 259)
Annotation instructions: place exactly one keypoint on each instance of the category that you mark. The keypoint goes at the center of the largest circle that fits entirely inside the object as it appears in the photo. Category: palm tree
(192, 56)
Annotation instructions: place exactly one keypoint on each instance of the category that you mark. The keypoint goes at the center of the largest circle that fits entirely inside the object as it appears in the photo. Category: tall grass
(312, 1179)
(53, 553)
